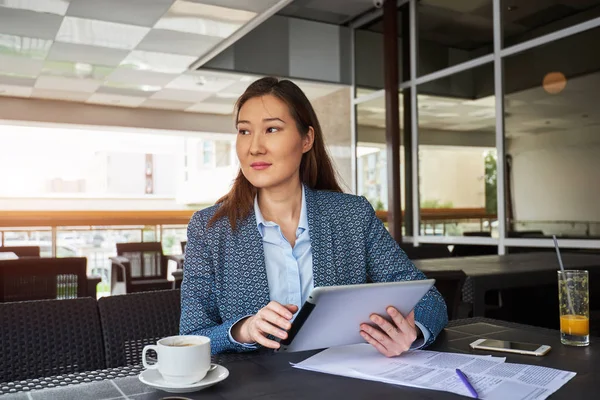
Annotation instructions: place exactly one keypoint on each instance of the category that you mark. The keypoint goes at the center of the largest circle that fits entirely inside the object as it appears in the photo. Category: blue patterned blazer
(225, 277)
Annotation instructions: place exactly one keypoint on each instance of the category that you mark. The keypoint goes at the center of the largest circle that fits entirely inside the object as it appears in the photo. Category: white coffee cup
(182, 360)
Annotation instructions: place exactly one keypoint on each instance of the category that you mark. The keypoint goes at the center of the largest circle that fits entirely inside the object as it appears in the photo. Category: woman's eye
(272, 130)
(243, 131)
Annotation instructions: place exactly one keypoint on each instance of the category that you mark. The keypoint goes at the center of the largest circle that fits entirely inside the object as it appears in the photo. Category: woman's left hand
(394, 338)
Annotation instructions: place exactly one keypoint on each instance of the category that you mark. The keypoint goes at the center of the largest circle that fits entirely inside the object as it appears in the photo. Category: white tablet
(332, 315)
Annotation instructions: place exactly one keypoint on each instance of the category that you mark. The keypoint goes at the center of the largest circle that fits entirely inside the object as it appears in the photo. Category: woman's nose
(257, 146)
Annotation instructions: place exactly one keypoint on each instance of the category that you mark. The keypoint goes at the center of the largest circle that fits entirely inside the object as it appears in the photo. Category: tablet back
(332, 315)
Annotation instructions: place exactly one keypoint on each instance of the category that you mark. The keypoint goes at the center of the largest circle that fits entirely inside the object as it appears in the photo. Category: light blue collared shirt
(290, 270)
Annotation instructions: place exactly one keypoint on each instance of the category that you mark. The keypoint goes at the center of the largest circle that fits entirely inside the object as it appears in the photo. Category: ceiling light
(554, 82)
(83, 70)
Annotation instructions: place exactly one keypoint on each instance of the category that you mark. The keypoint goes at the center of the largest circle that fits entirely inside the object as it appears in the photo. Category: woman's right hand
(273, 319)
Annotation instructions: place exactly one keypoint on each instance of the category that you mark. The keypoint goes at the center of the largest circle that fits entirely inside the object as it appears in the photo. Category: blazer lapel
(321, 241)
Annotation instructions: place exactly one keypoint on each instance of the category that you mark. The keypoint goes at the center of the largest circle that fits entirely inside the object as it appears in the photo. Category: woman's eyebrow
(243, 121)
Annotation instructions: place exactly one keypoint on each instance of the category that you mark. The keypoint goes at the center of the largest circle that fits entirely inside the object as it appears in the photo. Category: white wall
(556, 176)
(454, 174)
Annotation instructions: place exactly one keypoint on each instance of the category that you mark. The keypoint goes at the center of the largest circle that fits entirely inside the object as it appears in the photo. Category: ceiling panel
(86, 54)
(133, 90)
(29, 23)
(133, 53)
(67, 84)
(24, 46)
(100, 33)
(166, 41)
(255, 6)
(16, 80)
(132, 12)
(11, 65)
(203, 81)
(139, 77)
(76, 70)
(58, 7)
(211, 108)
(181, 95)
(158, 62)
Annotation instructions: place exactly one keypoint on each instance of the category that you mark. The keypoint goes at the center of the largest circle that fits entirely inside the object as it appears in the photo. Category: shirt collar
(261, 222)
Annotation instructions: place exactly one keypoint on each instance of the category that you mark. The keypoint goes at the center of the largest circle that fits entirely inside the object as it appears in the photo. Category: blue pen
(465, 380)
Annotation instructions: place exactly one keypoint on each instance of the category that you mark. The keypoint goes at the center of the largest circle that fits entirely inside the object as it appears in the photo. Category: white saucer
(152, 377)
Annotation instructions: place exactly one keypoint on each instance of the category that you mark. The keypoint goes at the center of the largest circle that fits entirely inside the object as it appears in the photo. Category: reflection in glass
(552, 139)
(526, 20)
(457, 155)
(371, 165)
(453, 32)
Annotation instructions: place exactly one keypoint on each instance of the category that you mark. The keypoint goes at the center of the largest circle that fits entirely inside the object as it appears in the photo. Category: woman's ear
(308, 140)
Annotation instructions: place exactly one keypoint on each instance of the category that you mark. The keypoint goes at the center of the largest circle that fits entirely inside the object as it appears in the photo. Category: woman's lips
(260, 165)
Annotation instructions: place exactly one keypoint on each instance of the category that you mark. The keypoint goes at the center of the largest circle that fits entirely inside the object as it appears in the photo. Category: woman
(284, 228)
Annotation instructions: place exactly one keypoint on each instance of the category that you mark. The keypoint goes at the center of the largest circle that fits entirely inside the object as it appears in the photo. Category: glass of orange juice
(574, 303)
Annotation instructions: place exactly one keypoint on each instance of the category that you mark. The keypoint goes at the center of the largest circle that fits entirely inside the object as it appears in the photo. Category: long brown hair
(316, 169)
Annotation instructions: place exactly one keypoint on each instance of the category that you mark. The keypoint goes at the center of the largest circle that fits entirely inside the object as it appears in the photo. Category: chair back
(183, 244)
(425, 251)
(470, 250)
(49, 338)
(450, 285)
(43, 278)
(146, 260)
(22, 251)
(132, 321)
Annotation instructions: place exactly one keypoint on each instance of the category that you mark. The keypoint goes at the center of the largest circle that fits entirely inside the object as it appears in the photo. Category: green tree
(491, 182)
(435, 203)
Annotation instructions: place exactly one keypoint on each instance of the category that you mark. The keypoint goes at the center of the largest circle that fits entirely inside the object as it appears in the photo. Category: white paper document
(492, 377)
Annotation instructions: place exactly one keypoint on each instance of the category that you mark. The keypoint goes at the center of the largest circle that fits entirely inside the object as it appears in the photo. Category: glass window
(552, 143)
(526, 20)
(371, 165)
(121, 170)
(369, 51)
(457, 155)
(453, 32)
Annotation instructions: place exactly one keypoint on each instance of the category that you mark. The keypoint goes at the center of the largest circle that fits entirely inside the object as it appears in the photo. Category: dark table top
(509, 264)
(270, 376)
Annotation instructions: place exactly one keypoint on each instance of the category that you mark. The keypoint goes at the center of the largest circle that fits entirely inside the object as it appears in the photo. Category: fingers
(292, 307)
(268, 328)
(275, 318)
(279, 309)
(379, 336)
(404, 325)
(264, 341)
(370, 339)
(393, 338)
(391, 330)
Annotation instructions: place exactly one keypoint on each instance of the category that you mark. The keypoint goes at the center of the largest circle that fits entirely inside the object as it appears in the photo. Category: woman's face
(269, 145)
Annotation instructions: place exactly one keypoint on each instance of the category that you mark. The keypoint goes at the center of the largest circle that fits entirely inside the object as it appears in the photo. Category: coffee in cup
(181, 360)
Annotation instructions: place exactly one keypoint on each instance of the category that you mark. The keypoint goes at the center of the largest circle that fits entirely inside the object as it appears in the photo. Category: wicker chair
(132, 321)
(139, 267)
(425, 251)
(49, 338)
(45, 278)
(22, 251)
